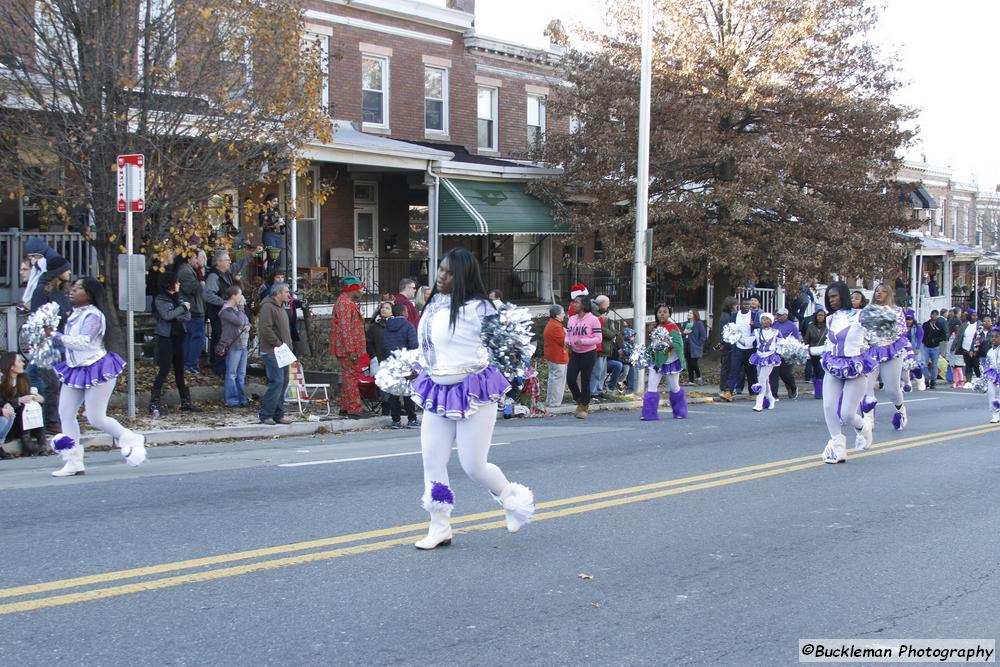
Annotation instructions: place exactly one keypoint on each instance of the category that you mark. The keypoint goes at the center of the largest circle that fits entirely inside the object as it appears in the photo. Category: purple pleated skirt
(772, 359)
(883, 353)
(992, 375)
(848, 368)
(672, 367)
(84, 377)
(462, 399)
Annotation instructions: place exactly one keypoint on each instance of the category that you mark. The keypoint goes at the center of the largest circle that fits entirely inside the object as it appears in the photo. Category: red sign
(132, 182)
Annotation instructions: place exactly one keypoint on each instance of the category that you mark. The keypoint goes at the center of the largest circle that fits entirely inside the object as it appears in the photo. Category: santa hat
(578, 289)
(351, 283)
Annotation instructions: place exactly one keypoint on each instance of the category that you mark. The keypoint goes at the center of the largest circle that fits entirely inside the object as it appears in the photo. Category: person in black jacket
(400, 335)
(53, 287)
(727, 317)
(935, 333)
(170, 314)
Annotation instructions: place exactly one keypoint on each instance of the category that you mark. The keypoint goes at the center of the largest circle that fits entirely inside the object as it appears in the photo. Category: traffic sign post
(131, 198)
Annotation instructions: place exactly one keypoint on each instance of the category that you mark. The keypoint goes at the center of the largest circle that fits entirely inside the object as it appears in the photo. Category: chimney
(463, 6)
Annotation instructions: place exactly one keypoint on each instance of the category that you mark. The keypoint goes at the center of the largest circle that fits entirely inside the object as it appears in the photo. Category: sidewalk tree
(773, 147)
(215, 93)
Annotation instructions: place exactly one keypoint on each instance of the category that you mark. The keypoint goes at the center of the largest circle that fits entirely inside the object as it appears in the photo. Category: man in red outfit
(347, 343)
(407, 291)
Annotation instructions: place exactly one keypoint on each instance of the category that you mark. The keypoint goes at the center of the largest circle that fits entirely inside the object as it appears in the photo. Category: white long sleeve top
(449, 355)
(83, 338)
(845, 337)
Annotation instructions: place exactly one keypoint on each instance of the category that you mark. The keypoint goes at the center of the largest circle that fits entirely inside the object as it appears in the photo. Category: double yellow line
(377, 540)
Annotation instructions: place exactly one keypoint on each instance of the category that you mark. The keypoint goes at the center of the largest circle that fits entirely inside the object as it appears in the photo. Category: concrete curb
(102, 441)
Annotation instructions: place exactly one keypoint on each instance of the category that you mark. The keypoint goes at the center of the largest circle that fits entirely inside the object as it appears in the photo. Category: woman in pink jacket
(583, 336)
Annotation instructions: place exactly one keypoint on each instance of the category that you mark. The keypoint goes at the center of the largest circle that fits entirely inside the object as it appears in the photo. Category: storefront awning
(919, 198)
(473, 208)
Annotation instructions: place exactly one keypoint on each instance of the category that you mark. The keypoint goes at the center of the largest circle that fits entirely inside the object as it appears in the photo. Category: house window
(436, 100)
(954, 223)
(536, 119)
(235, 59)
(375, 91)
(979, 231)
(486, 113)
(323, 46)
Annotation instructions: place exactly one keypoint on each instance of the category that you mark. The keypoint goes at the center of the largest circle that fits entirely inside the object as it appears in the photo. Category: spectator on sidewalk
(38, 253)
(272, 328)
(423, 296)
(223, 275)
(16, 391)
(235, 336)
(556, 355)
(935, 333)
(171, 315)
(600, 373)
(347, 342)
(400, 334)
(695, 335)
(728, 316)
(786, 371)
(190, 275)
(375, 334)
(741, 351)
(815, 337)
(7, 418)
(53, 287)
(407, 292)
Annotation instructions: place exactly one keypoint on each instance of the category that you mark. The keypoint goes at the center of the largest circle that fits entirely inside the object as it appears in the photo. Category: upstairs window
(536, 119)
(436, 99)
(486, 113)
(375, 91)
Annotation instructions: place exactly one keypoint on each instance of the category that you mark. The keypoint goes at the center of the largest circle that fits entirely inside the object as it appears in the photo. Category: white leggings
(853, 391)
(472, 436)
(993, 394)
(96, 401)
(673, 381)
(763, 375)
(892, 380)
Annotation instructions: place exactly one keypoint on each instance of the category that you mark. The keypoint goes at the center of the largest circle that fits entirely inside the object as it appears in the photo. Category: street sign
(131, 282)
(132, 182)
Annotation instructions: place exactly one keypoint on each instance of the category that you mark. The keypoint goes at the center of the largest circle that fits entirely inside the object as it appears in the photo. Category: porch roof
(351, 146)
(474, 208)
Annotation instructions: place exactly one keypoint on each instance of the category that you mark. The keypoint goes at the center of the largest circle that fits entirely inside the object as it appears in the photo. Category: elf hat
(351, 283)
(578, 289)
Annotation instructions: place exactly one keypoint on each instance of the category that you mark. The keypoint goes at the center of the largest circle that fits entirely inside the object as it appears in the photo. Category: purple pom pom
(907, 388)
(63, 442)
(918, 372)
(996, 405)
(897, 421)
(767, 403)
(868, 406)
(756, 388)
(441, 493)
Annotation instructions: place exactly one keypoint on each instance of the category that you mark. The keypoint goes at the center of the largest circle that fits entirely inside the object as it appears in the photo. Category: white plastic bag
(284, 356)
(31, 416)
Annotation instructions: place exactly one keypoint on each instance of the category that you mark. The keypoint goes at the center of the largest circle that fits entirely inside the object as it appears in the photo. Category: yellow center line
(787, 466)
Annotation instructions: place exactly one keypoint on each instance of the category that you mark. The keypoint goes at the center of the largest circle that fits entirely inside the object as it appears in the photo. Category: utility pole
(642, 189)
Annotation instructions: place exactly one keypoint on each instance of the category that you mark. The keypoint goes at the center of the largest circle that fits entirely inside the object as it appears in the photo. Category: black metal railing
(516, 284)
(381, 275)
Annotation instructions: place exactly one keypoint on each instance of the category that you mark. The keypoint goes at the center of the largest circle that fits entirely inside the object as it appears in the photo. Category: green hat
(351, 283)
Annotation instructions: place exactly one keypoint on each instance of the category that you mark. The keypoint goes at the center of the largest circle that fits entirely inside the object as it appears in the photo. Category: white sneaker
(967, 385)
(863, 439)
(996, 418)
(836, 450)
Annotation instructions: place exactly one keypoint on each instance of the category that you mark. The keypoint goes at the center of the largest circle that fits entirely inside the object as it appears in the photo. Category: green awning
(473, 208)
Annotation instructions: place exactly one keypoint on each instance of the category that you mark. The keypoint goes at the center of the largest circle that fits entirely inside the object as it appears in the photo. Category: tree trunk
(723, 288)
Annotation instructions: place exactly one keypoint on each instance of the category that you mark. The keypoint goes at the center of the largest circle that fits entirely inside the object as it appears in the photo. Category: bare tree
(215, 93)
(774, 139)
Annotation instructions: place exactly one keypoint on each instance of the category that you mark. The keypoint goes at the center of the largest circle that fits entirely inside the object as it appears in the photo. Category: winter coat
(191, 289)
(168, 311)
(272, 326)
(233, 320)
(696, 336)
(374, 340)
(399, 335)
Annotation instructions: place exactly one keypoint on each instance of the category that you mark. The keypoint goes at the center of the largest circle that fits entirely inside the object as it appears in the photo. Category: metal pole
(293, 252)
(642, 189)
(130, 312)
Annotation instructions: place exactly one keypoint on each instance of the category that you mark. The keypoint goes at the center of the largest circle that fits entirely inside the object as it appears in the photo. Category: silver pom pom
(41, 352)
(393, 376)
(792, 350)
(880, 323)
(508, 338)
(731, 334)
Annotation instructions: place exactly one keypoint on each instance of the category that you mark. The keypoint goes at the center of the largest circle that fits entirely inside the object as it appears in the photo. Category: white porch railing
(73, 247)
(766, 296)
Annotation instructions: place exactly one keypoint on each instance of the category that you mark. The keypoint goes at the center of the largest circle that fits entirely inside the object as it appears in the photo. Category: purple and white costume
(847, 364)
(455, 380)
(889, 355)
(765, 359)
(89, 373)
(991, 375)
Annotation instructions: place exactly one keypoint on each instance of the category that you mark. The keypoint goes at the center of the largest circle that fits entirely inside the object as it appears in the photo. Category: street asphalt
(719, 540)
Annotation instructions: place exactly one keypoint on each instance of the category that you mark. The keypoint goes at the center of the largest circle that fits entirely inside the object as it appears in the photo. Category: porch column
(914, 282)
(948, 287)
(545, 261)
(433, 241)
(293, 251)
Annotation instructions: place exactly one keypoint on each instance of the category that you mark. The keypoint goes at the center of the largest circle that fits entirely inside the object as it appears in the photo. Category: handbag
(222, 347)
(31, 416)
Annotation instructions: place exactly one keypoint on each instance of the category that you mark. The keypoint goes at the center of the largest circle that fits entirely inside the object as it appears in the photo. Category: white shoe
(133, 448)
(899, 419)
(836, 450)
(863, 440)
(869, 418)
(518, 504)
(996, 418)
(71, 453)
(967, 385)
(439, 533)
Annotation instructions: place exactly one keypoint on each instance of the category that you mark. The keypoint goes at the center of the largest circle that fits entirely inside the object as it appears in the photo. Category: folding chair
(303, 394)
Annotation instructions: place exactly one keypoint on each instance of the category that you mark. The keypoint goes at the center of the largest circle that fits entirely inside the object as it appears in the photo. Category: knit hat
(351, 283)
(768, 316)
(578, 289)
(781, 311)
(35, 246)
(55, 266)
(910, 314)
